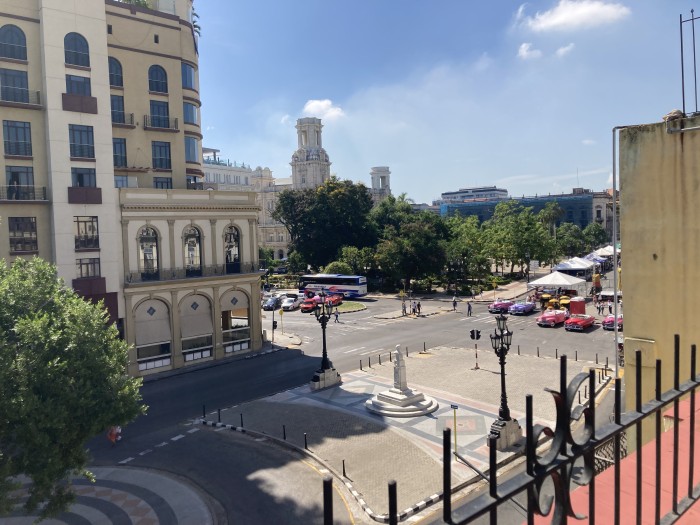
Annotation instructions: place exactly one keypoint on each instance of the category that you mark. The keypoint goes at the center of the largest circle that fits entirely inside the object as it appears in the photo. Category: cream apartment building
(102, 167)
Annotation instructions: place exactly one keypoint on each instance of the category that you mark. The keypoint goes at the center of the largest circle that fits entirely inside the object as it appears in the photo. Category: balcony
(18, 148)
(122, 119)
(87, 243)
(160, 123)
(20, 97)
(22, 193)
(79, 103)
(191, 185)
(176, 274)
(84, 195)
(82, 151)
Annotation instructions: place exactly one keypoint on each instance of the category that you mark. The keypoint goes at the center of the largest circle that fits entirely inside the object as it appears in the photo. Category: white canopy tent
(556, 280)
(575, 264)
(604, 252)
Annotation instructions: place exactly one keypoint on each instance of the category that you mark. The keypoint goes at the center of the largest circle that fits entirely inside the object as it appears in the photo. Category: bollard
(204, 412)
(406, 351)
(380, 359)
(538, 351)
(606, 366)
(576, 355)
(344, 475)
(241, 419)
(393, 507)
(585, 391)
(360, 364)
(327, 500)
(219, 411)
(518, 349)
(596, 358)
(306, 443)
(579, 397)
(423, 346)
(556, 353)
(284, 432)
(369, 361)
(390, 357)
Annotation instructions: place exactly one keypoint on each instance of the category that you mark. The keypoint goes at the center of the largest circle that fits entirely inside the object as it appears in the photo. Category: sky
(448, 94)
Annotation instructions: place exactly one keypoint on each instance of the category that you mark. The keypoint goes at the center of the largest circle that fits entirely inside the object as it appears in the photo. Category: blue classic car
(521, 308)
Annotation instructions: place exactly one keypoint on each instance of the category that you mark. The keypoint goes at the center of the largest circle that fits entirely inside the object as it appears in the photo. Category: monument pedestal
(324, 379)
(507, 433)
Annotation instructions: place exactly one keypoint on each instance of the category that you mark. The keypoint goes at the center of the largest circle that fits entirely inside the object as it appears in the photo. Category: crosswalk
(513, 320)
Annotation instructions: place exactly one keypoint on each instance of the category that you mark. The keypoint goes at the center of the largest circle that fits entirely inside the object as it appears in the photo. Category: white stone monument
(401, 401)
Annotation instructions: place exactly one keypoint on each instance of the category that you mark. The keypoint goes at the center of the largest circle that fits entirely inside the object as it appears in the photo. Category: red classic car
(309, 304)
(578, 322)
(500, 306)
(609, 322)
(552, 317)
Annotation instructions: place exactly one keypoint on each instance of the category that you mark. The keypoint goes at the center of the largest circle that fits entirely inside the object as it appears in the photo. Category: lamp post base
(324, 379)
(507, 433)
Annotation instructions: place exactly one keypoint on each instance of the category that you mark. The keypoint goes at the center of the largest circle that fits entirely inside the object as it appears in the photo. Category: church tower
(310, 164)
(381, 188)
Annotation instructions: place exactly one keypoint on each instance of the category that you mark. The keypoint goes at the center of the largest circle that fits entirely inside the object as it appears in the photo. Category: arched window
(157, 79)
(13, 43)
(193, 251)
(76, 50)
(115, 73)
(148, 253)
(232, 246)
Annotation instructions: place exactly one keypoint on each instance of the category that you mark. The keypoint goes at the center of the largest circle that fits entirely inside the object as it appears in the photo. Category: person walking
(336, 313)
(413, 308)
(454, 303)
(403, 308)
(418, 307)
(610, 307)
(469, 309)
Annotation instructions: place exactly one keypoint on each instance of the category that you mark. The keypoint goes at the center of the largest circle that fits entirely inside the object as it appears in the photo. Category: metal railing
(83, 151)
(120, 117)
(158, 122)
(557, 460)
(18, 148)
(173, 274)
(22, 193)
(20, 95)
(87, 242)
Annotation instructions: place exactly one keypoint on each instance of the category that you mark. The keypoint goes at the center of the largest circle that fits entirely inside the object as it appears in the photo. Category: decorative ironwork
(173, 274)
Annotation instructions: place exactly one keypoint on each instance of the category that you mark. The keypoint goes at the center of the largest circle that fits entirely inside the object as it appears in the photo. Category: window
(121, 181)
(192, 246)
(109, 29)
(87, 235)
(190, 112)
(163, 183)
(82, 141)
(157, 79)
(78, 85)
(14, 86)
(160, 113)
(83, 177)
(148, 253)
(87, 267)
(117, 103)
(119, 152)
(13, 43)
(156, 39)
(161, 155)
(115, 73)
(76, 50)
(22, 234)
(20, 182)
(232, 240)
(17, 137)
(187, 76)
(191, 149)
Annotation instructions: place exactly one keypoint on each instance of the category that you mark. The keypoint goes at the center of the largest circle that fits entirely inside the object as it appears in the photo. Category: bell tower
(310, 164)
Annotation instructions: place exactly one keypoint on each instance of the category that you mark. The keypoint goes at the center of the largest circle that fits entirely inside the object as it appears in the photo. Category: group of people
(454, 306)
(601, 305)
(415, 307)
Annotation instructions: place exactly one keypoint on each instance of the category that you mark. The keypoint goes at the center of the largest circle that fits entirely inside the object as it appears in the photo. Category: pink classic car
(552, 317)
(500, 306)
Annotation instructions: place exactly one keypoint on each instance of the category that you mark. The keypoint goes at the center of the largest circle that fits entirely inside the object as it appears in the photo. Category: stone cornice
(198, 206)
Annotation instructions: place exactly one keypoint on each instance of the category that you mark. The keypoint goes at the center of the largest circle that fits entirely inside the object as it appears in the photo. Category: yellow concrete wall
(660, 223)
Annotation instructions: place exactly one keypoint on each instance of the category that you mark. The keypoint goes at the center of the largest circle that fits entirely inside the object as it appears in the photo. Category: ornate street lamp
(506, 429)
(326, 375)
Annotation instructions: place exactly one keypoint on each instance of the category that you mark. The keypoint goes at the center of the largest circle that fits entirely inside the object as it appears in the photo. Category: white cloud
(564, 50)
(323, 109)
(526, 52)
(285, 119)
(483, 63)
(574, 14)
(588, 142)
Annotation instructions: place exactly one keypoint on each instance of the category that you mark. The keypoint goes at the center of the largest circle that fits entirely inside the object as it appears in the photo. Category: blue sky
(447, 93)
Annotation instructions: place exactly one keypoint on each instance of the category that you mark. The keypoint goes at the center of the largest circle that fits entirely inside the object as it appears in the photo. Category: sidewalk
(340, 432)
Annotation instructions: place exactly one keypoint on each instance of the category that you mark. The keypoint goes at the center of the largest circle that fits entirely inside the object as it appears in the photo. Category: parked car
(521, 308)
(273, 303)
(579, 322)
(609, 322)
(552, 317)
(292, 302)
(308, 305)
(500, 306)
(310, 302)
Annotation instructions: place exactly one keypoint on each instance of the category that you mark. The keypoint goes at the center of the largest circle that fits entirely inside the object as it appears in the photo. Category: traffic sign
(454, 407)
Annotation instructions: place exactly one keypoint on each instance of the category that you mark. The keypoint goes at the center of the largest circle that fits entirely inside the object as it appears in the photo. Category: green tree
(464, 249)
(550, 215)
(569, 239)
(296, 263)
(392, 212)
(358, 258)
(266, 257)
(338, 267)
(62, 381)
(594, 235)
(320, 222)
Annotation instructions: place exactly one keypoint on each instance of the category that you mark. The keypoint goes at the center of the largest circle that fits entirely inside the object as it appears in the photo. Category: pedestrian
(418, 307)
(610, 307)
(454, 303)
(413, 307)
(336, 313)
(403, 308)
(469, 309)
(112, 435)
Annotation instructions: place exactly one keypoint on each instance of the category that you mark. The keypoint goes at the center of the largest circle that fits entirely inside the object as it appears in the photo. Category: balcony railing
(175, 274)
(22, 193)
(18, 148)
(83, 151)
(14, 51)
(20, 95)
(87, 242)
(158, 122)
(120, 117)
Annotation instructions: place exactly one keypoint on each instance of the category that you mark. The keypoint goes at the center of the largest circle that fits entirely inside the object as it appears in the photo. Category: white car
(292, 302)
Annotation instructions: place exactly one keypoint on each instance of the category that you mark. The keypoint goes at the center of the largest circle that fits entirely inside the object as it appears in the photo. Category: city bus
(348, 285)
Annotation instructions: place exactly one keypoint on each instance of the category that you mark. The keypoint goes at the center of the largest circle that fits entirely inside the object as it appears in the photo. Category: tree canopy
(62, 381)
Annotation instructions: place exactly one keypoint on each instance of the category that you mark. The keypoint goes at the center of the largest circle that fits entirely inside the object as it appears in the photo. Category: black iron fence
(575, 453)
(170, 274)
(22, 193)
